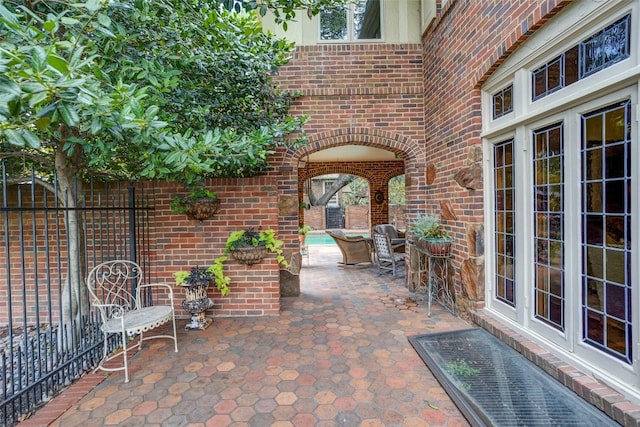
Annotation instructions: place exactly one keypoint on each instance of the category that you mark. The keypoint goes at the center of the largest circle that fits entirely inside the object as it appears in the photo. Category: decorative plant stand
(436, 283)
(202, 209)
(249, 254)
(196, 302)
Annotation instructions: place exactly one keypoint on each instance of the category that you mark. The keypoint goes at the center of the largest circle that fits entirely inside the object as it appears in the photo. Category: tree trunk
(74, 299)
(340, 182)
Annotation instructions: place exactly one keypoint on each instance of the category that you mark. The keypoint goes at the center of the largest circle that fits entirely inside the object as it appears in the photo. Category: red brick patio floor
(338, 355)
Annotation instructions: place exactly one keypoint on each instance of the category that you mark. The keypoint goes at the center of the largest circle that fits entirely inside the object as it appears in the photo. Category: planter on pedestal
(196, 302)
(438, 246)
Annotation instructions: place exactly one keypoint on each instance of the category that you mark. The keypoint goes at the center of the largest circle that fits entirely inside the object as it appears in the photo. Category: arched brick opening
(378, 173)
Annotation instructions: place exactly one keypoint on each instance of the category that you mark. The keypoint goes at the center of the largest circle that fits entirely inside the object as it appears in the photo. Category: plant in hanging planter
(199, 204)
(251, 246)
(302, 233)
(430, 235)
(195, 284)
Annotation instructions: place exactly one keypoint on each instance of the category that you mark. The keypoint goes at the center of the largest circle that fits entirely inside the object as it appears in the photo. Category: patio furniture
(386, 258)
(355, 249)
(396, 236)
(115, 291)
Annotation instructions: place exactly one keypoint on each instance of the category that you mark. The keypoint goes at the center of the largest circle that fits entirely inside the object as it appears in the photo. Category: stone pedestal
(196, 302)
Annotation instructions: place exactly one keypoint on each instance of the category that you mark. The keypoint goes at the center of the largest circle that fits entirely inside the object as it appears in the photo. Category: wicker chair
(115, 288)
(386, 258)
(355, 249)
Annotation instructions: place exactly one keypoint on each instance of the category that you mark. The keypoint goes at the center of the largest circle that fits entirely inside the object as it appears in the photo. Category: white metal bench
(115, 291)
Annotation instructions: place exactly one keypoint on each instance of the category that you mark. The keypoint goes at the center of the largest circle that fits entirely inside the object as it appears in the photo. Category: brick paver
(338, 355)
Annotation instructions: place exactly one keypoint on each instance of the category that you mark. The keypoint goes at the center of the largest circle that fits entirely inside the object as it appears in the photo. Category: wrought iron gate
(334, 217)
(44, 346)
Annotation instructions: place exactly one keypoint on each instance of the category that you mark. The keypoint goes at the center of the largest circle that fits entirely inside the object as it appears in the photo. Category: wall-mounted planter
(249, 254)
(201, 209)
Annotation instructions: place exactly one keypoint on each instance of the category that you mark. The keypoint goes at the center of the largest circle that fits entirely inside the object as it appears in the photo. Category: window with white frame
(358, 21)
(562, 265)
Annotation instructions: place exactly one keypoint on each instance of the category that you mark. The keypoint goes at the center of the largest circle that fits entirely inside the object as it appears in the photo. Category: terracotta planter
(249, 254)
(438, 247)
(196, 302)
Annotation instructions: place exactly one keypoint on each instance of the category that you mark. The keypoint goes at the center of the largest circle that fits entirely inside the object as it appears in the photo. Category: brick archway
(378, 173)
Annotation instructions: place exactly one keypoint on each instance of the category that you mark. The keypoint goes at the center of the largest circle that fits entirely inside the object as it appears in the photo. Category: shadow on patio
(337, 355)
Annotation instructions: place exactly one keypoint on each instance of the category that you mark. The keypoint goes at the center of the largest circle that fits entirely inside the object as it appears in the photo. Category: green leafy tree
(165, 89)
(397, 190)
(357, 192)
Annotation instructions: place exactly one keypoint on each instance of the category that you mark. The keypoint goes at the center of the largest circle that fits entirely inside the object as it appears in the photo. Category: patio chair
(386, 258)
(396, 236)
(115, 291)
(355, 249)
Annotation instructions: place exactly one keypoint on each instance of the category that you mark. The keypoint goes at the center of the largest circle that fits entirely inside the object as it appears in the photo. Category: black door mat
(494, 385)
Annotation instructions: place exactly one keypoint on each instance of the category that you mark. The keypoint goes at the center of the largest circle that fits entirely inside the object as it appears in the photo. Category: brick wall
(368, 94)
(181, 243)
(357, 218)
(175, 243)
(464, 44)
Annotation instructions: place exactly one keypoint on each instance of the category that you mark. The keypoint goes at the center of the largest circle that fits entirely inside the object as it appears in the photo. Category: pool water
(324, 239)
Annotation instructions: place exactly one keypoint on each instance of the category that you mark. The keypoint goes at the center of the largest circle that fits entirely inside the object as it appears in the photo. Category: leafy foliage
(236, 239)
(251, 237)
(181, 204)
(167, 89)
(200, 275)
(397, 190)
(304, 230)
(428, 227)
(286, 10)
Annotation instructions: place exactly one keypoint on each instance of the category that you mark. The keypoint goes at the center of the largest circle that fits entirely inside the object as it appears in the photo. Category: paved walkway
(338, 355)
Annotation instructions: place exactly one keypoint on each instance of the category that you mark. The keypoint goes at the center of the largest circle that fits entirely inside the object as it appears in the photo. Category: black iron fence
(48, 334)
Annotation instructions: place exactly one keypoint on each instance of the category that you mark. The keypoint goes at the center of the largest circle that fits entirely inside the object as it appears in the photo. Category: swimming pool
(325, 239)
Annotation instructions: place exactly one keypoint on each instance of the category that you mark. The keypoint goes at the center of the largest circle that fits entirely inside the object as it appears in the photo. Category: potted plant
(199, 204)
(302, 233)
(195, 284)
(251, 246)
(304, 205)
(430, 235)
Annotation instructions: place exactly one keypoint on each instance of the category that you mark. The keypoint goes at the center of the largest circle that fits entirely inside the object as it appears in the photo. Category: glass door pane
(606, 233)
(504, 236)
(548, 211)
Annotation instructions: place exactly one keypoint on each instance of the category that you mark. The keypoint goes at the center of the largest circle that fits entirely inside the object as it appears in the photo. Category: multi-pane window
(504, 234)
(548, 235)
(601, 50)
(606, 229)
(358, 21)
(561, 262)
(502, 102)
